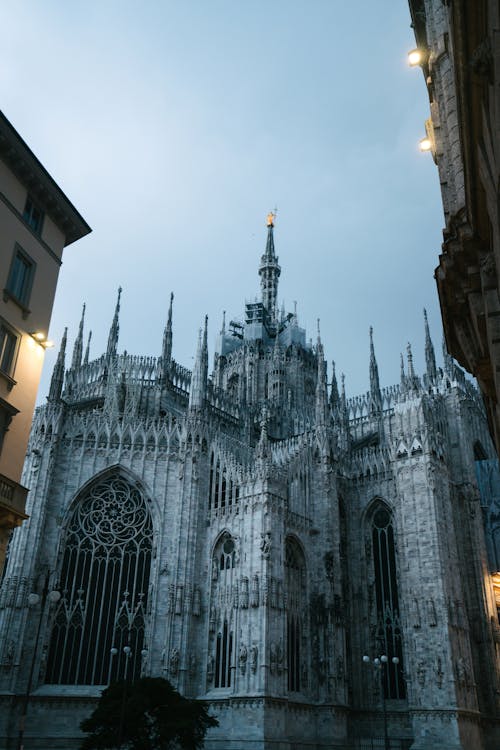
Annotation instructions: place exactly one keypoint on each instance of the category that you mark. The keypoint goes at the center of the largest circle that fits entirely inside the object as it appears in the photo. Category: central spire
(269, 271)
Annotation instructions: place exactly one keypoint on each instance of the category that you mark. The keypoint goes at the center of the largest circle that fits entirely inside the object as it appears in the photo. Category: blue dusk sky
(175, 126)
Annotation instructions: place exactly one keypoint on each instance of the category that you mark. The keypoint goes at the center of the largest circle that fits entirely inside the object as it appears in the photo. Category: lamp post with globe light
(379, 664)
(128, 654)
(52, 597)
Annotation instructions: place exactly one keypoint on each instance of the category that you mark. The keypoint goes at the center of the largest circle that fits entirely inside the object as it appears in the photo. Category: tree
(148, 714)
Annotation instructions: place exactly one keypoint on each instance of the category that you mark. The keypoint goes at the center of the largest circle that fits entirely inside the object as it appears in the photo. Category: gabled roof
(17, 155)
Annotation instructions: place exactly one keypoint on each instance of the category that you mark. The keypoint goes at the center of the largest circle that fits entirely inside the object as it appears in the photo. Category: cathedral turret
(87, 350)
(375, 394)
(115, 329)
(269, 272)
(411, 378)
(430, 358)
(166, 354)
(57, 380)
(447, 359)
(76, 359)
(321, 392)
(334, 391)
(198, 391)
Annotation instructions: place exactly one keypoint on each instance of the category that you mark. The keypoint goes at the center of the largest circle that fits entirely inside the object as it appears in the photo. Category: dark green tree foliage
(148, 714)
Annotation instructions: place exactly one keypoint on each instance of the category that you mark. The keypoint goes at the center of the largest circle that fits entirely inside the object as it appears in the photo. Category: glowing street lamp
(415, 57)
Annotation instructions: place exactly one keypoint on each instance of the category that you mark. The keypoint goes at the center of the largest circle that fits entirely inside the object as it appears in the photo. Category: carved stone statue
(242, 658)
(174, 662)
(265, 545)
(254, 655)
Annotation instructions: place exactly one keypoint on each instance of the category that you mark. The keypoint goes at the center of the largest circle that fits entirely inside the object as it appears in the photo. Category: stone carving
(242, 658)
(215, 570)
(416, 614)
(235, 596)
(187, 599)
(254, 655)
(272, 658)
(178, 600)
(174, 662)
(439, 673)
(265, 591)
(210, 668)
(265, 545)
(213, 619)
(274, 593)
(421, 673)
(244, 593)
(254, 599)
(339, 673)
(431, 613)
(171, 598)
(197, 602)
(462, 672)
(279, 657)
(192, 665)
(10, 647)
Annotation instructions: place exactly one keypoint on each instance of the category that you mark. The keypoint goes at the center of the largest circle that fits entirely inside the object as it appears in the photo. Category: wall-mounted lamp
(416, 57)
(429, 142)
(41, 339)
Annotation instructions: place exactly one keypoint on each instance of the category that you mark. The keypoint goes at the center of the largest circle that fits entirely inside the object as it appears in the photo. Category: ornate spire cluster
(57, 380)
(76, 359)
(198, 392)
(269, 271)
(115, 329)
(375, 394)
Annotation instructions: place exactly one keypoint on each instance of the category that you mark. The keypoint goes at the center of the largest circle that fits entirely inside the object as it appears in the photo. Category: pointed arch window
(389, 635)
(104, 580)
(223, 601)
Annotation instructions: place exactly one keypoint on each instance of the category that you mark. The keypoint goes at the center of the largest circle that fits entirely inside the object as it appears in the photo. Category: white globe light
(366, 659)
(33, 599)
(54, 596)
(383, 659)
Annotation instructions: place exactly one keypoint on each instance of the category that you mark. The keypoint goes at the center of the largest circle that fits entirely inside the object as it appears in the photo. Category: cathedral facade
(252, 535)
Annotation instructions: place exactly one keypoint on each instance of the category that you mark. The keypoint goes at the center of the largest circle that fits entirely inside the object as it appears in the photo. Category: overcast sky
(175, 126)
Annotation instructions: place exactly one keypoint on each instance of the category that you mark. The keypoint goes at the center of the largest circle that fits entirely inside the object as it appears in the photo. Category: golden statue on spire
(270, 218)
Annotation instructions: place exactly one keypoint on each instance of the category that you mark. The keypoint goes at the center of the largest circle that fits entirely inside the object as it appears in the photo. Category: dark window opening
(104, 583)
(8, 347)
(33, 215)
(223, 655)
(389, 633)
(20, 278)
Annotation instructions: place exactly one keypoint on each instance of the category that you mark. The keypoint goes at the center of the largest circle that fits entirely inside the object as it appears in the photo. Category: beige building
(37, 221)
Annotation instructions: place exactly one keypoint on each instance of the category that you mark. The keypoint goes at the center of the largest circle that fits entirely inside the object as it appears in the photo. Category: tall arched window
(387, 601)
(224, 596)
(104, 581)
(296, 602)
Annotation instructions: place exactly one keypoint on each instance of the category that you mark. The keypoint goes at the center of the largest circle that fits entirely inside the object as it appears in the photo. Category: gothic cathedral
(251, 535)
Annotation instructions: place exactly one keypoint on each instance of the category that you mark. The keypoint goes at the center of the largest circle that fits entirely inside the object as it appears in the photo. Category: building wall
(316, 488)
(20, 374)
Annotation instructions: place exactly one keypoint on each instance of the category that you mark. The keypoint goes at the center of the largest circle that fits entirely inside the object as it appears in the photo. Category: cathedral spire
(87, 350)
(115, 328)
(334, 390)
(402, 371)
(269, 271)
(166, 353)
(321, 391)
(198, 391)
(430, 358)
(57, 380)
(447, 359)
(375, 394)
(76, 359)
(411, 378)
